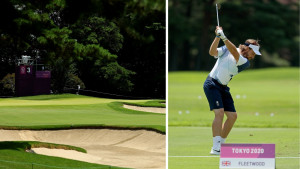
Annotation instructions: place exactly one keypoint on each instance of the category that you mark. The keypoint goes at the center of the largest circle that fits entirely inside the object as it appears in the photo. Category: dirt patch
(145, 109)
(124, 148)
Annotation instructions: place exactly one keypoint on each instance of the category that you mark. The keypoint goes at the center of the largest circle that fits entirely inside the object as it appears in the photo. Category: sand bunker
(146, 109)
(69, 154)
(123, 148)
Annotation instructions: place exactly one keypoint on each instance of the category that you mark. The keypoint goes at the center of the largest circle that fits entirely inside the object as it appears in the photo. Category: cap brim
(257, 52)
(255, 48)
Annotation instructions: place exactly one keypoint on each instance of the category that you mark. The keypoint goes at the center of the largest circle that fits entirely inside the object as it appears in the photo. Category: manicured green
(197, 141)
(267, 98)
(74, 111)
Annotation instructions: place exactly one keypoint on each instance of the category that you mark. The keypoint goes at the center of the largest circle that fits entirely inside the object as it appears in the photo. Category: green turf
(196, 141)
(14, 159)
(67, 111)
(267, 103)
(71, 111)
(267, 98)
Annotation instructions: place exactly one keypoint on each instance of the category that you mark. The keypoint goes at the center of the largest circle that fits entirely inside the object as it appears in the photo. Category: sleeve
(242, 64)
(241, 61)
(221, 51)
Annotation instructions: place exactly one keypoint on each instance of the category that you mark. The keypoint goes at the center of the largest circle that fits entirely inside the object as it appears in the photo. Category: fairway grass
(186, 144)
(267, 104)
(263, 98)
(75, 111)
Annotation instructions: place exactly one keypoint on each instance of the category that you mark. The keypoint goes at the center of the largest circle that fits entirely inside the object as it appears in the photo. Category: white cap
(255, 49)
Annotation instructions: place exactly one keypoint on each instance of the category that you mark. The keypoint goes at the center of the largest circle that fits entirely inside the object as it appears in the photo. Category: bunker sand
(145, 109)
(123, 148)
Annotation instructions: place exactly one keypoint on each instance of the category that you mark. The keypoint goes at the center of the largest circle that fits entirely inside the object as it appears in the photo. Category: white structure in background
(25, 60)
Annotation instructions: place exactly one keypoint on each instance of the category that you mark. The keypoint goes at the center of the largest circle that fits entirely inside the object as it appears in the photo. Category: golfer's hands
(219, 33)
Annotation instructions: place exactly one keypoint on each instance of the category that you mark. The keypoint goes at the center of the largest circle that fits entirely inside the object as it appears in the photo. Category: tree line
(111, 46)
(275, 23)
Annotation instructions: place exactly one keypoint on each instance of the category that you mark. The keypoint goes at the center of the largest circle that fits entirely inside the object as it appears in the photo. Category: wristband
(225, 39)
(218, 36)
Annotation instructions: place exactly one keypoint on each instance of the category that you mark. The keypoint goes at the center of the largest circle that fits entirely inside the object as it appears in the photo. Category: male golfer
(231, 61)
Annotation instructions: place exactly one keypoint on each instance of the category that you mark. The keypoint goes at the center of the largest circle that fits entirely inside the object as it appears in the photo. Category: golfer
(230, 62)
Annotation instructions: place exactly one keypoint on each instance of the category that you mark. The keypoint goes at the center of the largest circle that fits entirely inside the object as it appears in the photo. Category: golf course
(77, 131)
(267, 104)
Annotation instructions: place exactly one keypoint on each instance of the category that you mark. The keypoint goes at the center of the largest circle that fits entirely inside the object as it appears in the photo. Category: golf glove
(221, 35)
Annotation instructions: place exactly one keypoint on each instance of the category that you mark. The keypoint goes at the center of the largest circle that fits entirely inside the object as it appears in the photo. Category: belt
(216, 81)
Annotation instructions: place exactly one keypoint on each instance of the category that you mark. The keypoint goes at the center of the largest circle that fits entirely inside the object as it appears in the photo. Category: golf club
(217, 8)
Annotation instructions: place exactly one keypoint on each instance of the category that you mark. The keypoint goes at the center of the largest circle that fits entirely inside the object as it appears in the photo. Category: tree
(103, 73)
(8, 84)
(142, 25)
(103, 42)
(266, 21)
(192, 25)
(59, 52)
(96, 30)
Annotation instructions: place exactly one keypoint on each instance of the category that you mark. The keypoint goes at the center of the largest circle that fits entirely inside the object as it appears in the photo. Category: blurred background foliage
(192, 23)
(111, 46)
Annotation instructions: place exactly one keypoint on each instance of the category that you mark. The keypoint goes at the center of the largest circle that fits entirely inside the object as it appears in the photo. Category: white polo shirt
(226, 66)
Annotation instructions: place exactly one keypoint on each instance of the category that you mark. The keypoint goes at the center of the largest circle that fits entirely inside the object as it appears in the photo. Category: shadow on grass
(27, 145)
(13, 145)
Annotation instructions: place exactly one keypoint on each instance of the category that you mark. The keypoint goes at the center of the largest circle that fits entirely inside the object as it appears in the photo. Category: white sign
(247, 156)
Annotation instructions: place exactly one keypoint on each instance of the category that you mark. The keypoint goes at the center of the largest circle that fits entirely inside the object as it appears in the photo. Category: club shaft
(217, 14)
